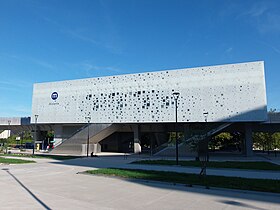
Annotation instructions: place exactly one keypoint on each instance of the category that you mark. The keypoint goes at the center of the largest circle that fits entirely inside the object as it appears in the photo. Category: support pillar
(136, 132)
(96, 148)
(93, 148)
(248, 142)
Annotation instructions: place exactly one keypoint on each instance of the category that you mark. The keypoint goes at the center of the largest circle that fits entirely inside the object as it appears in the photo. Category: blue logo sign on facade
(54, 95)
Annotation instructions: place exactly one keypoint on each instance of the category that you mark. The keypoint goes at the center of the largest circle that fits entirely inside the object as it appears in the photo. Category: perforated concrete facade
(234, 93)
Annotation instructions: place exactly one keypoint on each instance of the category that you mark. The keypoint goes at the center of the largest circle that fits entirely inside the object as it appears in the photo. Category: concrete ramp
(77, 143)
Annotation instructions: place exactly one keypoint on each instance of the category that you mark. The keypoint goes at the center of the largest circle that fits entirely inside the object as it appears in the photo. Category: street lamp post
(88, 118)
(205, 117)
(21, 138)
(9, 123)
(35, 134)
(176, 97)
(9, 134)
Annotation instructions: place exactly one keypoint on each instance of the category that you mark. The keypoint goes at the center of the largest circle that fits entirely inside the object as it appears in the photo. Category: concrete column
(248, 142)
(96, 148)
(136, 131)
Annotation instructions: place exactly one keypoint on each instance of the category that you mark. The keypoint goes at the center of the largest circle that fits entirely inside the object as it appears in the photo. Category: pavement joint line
(183, 185)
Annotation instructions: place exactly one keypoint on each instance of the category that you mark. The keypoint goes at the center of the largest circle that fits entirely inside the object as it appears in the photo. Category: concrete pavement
(120, 162)
(52, 184)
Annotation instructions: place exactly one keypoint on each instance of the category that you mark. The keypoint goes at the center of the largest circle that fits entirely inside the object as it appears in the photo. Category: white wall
(234, 92)
(10, 120)
(5, 134)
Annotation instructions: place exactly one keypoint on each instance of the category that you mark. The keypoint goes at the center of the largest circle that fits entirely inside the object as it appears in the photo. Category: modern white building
(233, 93)
(229, 93)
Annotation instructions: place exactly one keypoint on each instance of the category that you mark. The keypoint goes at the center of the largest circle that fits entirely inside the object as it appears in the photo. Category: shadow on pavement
(239, 204)
(24, 187)
(117, 161)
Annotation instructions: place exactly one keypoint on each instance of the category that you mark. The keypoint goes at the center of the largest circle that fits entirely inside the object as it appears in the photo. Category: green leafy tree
(220, 140)
(266, 141)
(260, 140)
(276, 141)
(27, 135)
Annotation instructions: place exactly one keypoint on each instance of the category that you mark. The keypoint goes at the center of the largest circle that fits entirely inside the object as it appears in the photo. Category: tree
(220, 140)
(260, 141)
(276, 141)
(272, 110)
(266, 141)
(27, 135)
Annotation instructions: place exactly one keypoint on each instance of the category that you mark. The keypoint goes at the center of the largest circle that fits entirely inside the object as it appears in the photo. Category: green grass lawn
(216, 164)
(55, 157)
(14, 161)
(193, 179)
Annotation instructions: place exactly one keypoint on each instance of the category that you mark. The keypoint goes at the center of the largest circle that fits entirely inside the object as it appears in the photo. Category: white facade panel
(10, 121)
(232, 93)
(5, 134)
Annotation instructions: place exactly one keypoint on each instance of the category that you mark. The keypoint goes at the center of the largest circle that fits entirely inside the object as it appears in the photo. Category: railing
(197, 135)
(166, 145)
(200, 137)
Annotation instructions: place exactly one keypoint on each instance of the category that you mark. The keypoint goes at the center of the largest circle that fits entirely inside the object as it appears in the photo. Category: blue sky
(43, 41)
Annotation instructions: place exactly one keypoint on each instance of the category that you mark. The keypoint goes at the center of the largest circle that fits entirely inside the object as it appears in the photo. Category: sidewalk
(120, 162)
(256, 174)
(117, 160)
(33, 186)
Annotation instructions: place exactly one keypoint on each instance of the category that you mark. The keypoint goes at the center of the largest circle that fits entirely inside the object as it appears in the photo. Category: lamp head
(88, 118)
(176, 95)
(205, 115)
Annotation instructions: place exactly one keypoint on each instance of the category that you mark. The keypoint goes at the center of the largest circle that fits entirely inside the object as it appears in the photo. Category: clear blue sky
(54, 40)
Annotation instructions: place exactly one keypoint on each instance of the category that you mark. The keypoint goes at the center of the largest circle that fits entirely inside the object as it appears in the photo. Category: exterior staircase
(185, 148)
(77, 143)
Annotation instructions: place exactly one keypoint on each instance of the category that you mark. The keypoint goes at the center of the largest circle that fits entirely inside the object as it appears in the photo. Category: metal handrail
(198, 136)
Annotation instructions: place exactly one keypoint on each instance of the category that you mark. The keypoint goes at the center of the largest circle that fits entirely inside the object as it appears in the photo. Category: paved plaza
(52, 184)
